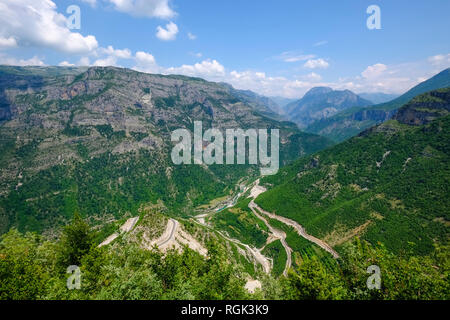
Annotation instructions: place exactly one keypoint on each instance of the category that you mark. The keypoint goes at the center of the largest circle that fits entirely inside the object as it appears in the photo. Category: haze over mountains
(377, 97)
(352, 121)
(321, 103)
(341, 114)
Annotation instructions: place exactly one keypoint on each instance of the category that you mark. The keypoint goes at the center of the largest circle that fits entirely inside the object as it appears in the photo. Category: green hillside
(388, 185)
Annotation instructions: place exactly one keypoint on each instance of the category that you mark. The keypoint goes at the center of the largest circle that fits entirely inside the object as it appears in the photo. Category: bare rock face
(321, 103)
(425, 108)
(81, 129)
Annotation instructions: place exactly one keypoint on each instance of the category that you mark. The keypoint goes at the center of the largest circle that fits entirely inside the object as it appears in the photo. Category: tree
(312, 281)
(21, 276)
(76, 241)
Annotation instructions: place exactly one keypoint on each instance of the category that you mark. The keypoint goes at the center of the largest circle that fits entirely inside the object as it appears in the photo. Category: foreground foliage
(34, 268)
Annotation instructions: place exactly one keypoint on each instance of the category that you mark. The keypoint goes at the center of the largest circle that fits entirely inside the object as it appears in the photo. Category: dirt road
(126, 227)
(169, 233)
(259, 257)
(298, 228)
(278, 234)
(175, 237)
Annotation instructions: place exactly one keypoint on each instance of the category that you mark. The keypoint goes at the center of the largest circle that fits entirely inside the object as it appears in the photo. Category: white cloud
(65, 64)
(167, 34)
(36, 23)
(84, 61)
(6, 43)
(35, 61)
(320, 43)
(440, 60)
(210, 69)
(380, 77)
(191, 36)
(145, 62)
(290, 56)
(145, 8)
(272, 86)
(105, 62)
(117, 53)
(313, 76)
(374, 71)
(317, 63)
(375, 78)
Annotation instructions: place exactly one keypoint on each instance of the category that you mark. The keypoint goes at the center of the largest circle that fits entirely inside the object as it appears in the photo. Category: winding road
(261, 214)
(169, 233)
(281, 235)
(259, 257)
(298, 228)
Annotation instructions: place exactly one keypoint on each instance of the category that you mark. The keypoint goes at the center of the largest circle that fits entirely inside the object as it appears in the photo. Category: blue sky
(272, 47)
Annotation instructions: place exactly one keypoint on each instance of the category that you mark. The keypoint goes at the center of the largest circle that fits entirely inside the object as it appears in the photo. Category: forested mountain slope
(97, 141)
(390, 184)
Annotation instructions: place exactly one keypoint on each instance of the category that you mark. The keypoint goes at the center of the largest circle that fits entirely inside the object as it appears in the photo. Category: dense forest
(34, 268)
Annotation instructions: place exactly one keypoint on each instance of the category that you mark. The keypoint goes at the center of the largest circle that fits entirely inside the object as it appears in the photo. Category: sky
(275, 48)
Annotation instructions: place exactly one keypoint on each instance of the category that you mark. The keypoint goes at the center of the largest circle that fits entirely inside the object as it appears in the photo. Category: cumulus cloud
(84, 61)
(36, 23)
(117, 53)
(105, 62)
(316, 63)
(167, 34)
(6, 43)
(313, 76)
(273, 86)
(35, 61)
(374, 71)
(66, 64)
(210, 69)
(147, 8)
(374, 78)
(145, 62)
(380, 77)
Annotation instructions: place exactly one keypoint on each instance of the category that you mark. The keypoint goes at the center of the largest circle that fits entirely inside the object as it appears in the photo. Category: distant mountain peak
(318, 91)
(320, 103)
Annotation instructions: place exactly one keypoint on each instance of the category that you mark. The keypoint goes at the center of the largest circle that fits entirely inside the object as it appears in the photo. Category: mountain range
(352, 121)
(387, 185)
(321, 103)
(85, 164)
(60, 125)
